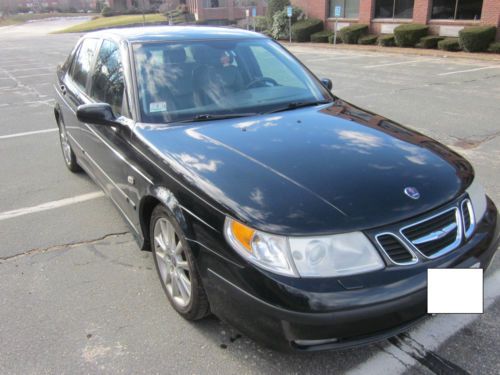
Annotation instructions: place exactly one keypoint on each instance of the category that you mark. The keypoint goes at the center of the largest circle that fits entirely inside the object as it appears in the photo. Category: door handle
(63, 89)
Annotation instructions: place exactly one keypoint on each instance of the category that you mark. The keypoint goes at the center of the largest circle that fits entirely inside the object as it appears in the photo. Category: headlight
(324, 256)
(478, 199)
(337, 255)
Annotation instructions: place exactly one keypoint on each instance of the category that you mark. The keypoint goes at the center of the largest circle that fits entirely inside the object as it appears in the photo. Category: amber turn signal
(243, 234)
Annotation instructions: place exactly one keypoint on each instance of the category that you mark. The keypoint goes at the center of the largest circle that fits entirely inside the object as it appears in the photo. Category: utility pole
(143, 15)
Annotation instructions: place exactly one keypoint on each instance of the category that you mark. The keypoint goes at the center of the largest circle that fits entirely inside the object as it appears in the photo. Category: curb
(398, 51)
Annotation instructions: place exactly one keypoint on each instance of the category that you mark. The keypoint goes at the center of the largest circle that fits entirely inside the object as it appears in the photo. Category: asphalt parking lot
(79, 297)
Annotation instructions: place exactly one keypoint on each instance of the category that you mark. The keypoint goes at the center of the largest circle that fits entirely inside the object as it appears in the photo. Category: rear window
(83, 62)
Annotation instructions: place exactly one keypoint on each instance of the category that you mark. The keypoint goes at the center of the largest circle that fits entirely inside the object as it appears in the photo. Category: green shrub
(331, 37)
(368, 39)
(107, 12)
(351, 34)
(430, 41)
(302, 30)
(261, 23)
(408, 35)
(476, 39)
(274, 6)
(386, 40)
(494, 47)
(321, 37)
(279, 29)
(267, 33)
(449, 44)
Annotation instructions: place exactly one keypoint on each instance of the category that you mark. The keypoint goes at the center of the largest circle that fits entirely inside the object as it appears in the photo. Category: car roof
(176, 33)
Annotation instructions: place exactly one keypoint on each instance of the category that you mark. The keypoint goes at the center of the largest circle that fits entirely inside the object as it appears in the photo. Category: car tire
(176, 266)
(69, 156)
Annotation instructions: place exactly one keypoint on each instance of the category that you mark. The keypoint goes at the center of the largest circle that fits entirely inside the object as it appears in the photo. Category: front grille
(436, 235)
(395, 249)
(468, 217)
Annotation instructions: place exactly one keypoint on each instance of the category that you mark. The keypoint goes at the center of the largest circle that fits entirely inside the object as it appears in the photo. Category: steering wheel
(264, 80)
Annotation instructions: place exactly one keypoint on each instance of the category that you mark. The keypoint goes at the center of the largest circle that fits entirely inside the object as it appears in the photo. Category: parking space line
(36, 75)
(27, 133)
(430, 335)
(33, 68)
(50, 205)
(392, 64)
(469, 70)
(338, 57)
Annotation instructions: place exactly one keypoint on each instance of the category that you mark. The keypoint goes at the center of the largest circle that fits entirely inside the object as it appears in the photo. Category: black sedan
(306, 222)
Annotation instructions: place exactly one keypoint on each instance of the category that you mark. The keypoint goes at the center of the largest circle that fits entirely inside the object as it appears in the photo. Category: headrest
(205, 55)
(175, 55)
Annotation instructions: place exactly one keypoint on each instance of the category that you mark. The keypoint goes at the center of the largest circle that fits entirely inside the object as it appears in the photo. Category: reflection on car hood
(317, 170)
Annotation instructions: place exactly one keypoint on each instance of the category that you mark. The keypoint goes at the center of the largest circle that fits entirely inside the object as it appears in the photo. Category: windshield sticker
(157, 107)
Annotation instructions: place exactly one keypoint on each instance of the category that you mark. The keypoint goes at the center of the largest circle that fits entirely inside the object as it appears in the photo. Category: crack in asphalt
(61, 246)
(427, 358)
(406, 365)
(470, 143)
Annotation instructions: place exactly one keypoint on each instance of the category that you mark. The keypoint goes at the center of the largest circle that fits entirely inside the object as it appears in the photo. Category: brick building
(224, 9)
(445, 17)
(44, 5)
(216, 10)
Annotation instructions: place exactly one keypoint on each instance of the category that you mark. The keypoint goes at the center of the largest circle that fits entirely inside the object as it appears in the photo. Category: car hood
(316, 170)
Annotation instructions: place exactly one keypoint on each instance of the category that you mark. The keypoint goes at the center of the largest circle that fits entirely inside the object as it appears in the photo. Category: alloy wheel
(66, 148)
(172, 262)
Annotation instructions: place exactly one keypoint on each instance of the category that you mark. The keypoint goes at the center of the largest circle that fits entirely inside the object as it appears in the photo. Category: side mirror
(98, 113)
(327, 83)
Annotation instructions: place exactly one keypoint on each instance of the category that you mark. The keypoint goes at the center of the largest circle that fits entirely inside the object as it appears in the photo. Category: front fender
(161, 195)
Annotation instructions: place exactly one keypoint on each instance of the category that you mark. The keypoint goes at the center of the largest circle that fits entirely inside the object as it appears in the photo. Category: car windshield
(209, 79)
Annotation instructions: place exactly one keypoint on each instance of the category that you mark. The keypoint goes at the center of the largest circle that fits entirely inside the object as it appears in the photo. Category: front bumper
(304, 315)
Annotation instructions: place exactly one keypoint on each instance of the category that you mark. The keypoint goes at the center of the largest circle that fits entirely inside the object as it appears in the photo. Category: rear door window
(83, 62)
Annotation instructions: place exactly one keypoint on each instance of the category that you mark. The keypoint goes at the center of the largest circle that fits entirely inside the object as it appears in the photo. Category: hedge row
(471, 39)
(449, 44)
(321, 37)
(430, 41)
(408, 35)
(476, 39)
(332, 37)
(351, 34)
(368, 39)
(494, 47)
(386, 40)
(302, 30)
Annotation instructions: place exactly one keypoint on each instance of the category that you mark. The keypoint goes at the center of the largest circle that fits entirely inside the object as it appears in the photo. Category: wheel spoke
(168, 274)
(165, 259)
(184, 285)
(178, 248)
(183, 265)
(159, 240)
(175, 284)
(164, 233)
(171, 237)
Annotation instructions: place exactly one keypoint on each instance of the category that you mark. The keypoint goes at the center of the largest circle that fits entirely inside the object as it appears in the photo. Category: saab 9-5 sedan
(302, 220)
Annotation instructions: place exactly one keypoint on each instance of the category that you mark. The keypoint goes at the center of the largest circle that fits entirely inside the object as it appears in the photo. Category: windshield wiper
(209, 117)
(295, 105)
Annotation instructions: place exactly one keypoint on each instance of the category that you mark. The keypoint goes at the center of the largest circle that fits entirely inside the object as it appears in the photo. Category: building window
(349, 8)
(249, 3)
(394, 8)
(456, 9)
(215, 3)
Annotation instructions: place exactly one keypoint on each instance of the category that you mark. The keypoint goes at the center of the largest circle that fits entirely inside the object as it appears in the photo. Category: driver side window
(107, 80)
(270, 66)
